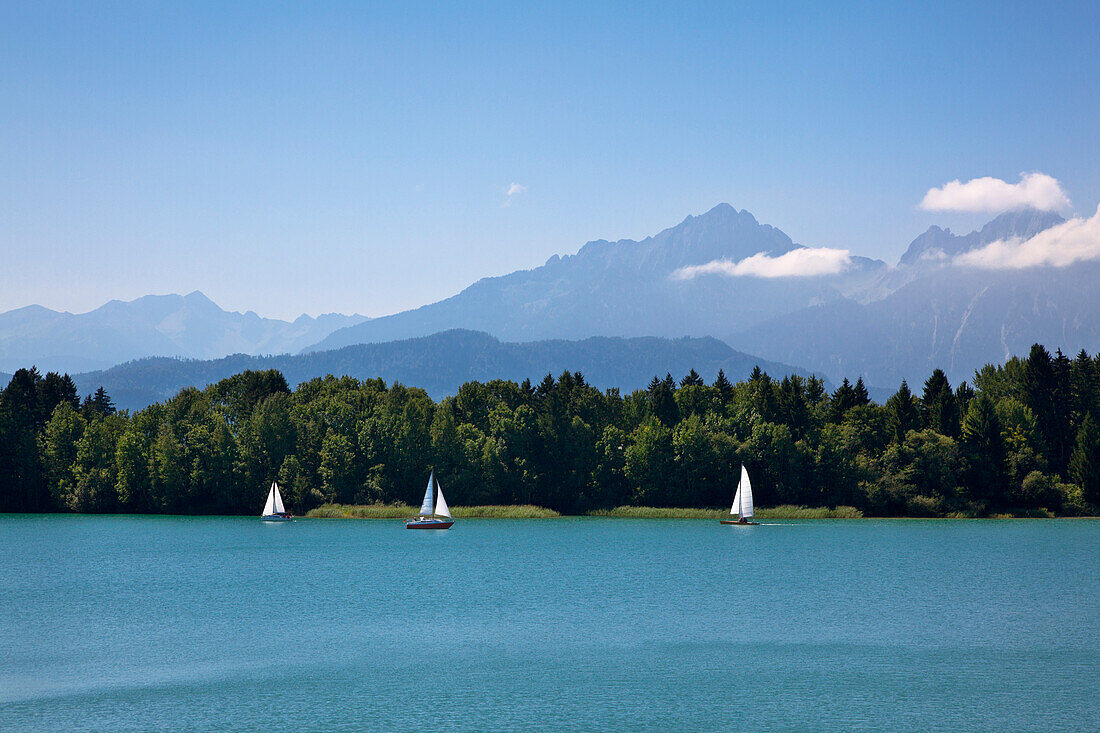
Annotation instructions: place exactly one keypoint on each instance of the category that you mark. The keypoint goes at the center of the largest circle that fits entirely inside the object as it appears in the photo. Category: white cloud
(1035, 190)
(1072, 241)
(515, 189)
(803, 262)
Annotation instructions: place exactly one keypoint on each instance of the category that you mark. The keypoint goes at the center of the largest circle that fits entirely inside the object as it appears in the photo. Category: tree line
(1023, 438)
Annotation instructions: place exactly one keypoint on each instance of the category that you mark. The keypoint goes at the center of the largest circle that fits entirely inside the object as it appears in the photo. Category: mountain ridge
(595, 291)
(189, 325)
(442, 362)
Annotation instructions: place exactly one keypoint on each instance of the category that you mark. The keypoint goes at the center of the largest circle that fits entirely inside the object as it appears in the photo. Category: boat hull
(738, 523)
(276, 518)
(427, 524)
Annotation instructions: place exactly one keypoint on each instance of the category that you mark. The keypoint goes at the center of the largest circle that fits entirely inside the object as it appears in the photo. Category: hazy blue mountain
(442, 362)
(936, 243)
(938, 315)
(626, 288)
(155, 325)
(883, 322)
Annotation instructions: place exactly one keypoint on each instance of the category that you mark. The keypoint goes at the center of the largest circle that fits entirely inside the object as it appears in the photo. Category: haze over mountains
(932, 313)
(885, 323)
(720, 274)
(441, 363)
(191, 326)
(627, 288)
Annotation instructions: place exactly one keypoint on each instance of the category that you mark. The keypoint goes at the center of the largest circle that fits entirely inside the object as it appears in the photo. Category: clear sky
(358, 157)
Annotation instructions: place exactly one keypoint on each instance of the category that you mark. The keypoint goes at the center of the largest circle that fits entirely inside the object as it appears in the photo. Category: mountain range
(441, 363)
(886, 323)
(865, 318)
(929, 313)
(191, 326)
(627, 288)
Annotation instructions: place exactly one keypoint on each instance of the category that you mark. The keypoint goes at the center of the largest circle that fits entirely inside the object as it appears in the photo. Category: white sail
(736, 499)
(279, 509)
(427, 507)
(745, 493)
(441, 507)
(269, 507)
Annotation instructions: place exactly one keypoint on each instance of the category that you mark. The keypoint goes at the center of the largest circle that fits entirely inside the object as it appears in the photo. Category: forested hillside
(1024, 438)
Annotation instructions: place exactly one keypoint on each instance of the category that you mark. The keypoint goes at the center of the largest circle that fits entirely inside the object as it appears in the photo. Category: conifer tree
(844, 399)
(1086, 388)
(1084, 463)
(859, 394)
(815, 390)
(902, 412)
(984, 441)
(662, 403)
(963, 394)
(938, 405)
(692, 379)
(725, 389)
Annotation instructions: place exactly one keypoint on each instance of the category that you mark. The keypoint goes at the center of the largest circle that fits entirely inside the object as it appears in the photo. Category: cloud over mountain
(1035, 191)
(801, 262)
(1076, 240)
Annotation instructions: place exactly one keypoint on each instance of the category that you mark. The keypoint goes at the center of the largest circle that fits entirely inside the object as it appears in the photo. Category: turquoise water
(147, 623)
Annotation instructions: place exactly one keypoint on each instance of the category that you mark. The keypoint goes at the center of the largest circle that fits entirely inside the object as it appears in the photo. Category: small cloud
(802, 262)
(513, 190)
(933, 255)
(1035, 190)
(1076, 240)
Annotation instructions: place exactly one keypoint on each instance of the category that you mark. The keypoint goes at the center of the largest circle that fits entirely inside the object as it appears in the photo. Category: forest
(1022, 439)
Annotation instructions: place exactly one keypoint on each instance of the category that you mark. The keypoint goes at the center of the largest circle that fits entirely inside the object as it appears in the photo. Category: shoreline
(404, 511)
(528, 511)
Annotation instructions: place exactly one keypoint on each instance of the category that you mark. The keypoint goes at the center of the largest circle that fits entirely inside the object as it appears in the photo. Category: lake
(179, 623)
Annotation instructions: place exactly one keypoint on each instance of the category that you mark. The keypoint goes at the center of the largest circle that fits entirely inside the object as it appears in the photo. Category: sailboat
(434, 512)
(742, 501)
(274, 511)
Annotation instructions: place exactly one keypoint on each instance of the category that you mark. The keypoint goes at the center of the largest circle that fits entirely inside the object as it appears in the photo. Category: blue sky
(291, 158)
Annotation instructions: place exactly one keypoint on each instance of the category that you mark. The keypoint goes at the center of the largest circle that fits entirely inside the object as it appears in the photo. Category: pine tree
(662, 403)
(938, 405)
(963, 394)
(843, 400)
(1038, 392)
(815, 390)
(22, 486)
(725, 389)
(1084, 463)
(102, 403)
(1086, 388)
(1063, 433)
(983, 438)
(692, 379)
(902, 413)
(859, 394)
(55, 390)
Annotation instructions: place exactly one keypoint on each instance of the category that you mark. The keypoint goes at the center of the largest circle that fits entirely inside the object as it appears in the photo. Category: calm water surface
(149, 623)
